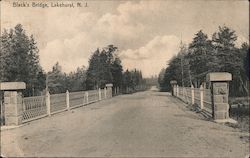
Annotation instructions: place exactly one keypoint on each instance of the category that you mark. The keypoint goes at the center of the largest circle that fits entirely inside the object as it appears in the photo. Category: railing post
(48, 103)
(201, 97)
(183, 93)
(105, 93)
(192, 94)
(87, 97)
(177, 91)
(100, 94)
(67, 99)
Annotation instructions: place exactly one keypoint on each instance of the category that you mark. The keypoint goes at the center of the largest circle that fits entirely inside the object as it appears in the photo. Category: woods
(19, 61)
(204, 55)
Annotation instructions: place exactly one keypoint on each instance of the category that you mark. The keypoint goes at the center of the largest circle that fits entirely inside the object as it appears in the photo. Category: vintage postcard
(124, 78)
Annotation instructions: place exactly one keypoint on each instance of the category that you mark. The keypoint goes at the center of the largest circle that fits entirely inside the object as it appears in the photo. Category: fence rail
(41, 106)
(200, 96)
(58, 102)
(77, 99)
(93, 96)
(33, 108)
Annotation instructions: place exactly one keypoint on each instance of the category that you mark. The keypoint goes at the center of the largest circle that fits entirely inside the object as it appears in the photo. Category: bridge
(143, 124)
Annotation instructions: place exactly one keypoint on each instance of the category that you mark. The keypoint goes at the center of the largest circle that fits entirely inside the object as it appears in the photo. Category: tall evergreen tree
(56, 80)
(116, 71)
(200, 56)
(19, 59)
(104, 67)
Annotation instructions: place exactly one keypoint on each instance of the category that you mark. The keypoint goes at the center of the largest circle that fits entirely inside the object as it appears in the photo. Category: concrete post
(67, 99)
(105, 93)
(220, 91)
(109, 89)
(173, 85)
(192, 94)
(87, 97)
(201, 97)
(48, 103)
(100, 94)
(13, 102)
(177, 90)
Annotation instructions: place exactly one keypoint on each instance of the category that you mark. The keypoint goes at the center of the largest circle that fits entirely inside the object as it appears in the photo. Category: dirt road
(144, 124)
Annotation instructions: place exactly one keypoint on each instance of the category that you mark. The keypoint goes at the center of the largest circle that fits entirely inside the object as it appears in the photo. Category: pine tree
(104, 67)
(200, 57)
(116, 71)
(56, 80)
(19, 59)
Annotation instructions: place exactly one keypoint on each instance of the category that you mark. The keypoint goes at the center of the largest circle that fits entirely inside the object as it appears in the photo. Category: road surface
(144, 124)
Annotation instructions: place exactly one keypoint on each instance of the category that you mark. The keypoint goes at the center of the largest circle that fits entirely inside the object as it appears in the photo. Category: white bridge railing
(34, 107)
(41, 106)
(199, 96)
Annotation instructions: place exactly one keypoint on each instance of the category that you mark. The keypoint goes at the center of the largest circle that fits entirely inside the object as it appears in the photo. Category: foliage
(132, 79)
(161, 79)
(56, 80)
(19, 60)
(200, 58)
(104, 67)
(76, 81)
(203, 55)
(60, 82)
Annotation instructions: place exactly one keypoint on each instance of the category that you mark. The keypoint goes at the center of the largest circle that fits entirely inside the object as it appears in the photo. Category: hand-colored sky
(147, 33)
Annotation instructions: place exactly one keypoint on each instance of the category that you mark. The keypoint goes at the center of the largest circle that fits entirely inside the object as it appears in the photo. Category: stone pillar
(173, 85)
(109, 89)
(13, 107)
(220, 91)
(13, 102)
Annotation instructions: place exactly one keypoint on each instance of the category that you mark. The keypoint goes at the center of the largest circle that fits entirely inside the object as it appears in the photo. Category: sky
(147, 32)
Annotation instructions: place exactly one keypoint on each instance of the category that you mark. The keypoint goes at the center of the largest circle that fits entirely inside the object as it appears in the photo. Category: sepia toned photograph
(124, 78)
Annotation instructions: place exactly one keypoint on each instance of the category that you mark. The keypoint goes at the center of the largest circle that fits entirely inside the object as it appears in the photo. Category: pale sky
(147, 33)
